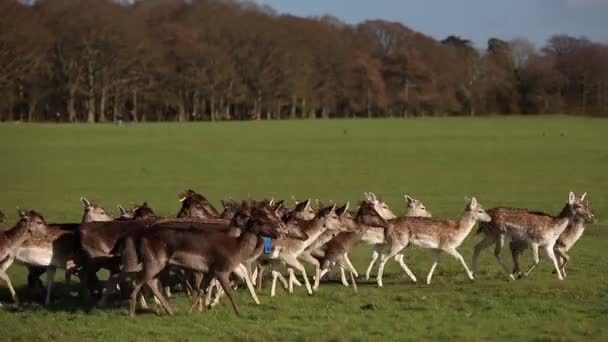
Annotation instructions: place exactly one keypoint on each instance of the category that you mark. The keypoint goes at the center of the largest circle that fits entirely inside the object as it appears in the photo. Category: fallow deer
(56, 248)
(31, 223)
(288, 250)
(415, 208)
(537, 229)
(195, 205)
(216, 255)
(336, 250)
(435, 234)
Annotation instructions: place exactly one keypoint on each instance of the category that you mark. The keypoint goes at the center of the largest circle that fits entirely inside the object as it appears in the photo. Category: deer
(535, 228)
(288, 250)
(31, 223)
(216, 255)
(564, 243)
(415, 208)
(56, 248)
(195, 205)
(336, 250)
(301, 211)
(439, 235)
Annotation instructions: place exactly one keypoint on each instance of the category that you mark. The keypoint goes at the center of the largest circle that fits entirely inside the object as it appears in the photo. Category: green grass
(519, 161)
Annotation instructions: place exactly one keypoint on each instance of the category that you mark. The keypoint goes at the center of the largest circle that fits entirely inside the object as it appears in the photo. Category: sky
(476, 20)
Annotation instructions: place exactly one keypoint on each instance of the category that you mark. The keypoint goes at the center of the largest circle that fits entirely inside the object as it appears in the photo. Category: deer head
(93, 212)
(415, 208)
(477, 212)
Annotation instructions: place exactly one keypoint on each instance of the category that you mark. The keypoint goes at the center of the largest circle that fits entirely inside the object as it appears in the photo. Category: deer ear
(571, 197)
(307, 204)
(583, 196)
(85, 202)
(408, 200)
(473, 203)
(121, 209)
(22, 214)
(373, 196)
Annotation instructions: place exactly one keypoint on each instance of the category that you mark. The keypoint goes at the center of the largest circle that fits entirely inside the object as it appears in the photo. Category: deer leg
(241, 271)
(260, 275)
(275, 275)
(500, 242)
(254, 276)
(313, 261)
(565, 259)
(436, 253)
(551, 255)
(202, 292)
(383, 259)
(50, 278)
(375, 256)
(293, 262)
(350, 265)
(223, 279)
(150, 271)
(4, 276)
(399, 258)
(453, 252)
(486, 242)
(516, 247)
(153, 285)
(343, 277)
(534, 247)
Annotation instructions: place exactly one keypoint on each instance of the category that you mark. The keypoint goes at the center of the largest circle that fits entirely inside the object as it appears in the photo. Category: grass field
(520, 161)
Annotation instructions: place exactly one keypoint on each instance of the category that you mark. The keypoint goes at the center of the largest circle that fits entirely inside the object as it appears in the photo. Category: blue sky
(474, 19)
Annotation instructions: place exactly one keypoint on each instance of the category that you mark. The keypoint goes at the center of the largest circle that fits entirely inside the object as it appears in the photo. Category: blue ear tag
(267, 245)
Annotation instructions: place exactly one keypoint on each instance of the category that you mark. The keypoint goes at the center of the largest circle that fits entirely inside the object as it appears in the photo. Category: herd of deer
(201, 248)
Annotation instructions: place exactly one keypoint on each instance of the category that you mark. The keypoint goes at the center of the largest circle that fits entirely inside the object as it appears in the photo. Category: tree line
(160, 60)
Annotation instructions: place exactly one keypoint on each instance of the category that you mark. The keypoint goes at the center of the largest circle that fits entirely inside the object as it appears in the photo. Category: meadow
(517, 161)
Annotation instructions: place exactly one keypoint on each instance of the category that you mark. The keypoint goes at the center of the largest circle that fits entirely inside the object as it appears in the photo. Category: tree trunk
(115, 110)
(135, 111)
(294, 105)
(181, 117)
(102, 104)
(212, 111)
(91, 95)
(195, 105)
(72, 105)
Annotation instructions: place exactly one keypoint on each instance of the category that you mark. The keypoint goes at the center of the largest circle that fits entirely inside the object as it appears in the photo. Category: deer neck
(248, 242)
(467, 222)
(17, 235)
(564, 218)
(313, 228)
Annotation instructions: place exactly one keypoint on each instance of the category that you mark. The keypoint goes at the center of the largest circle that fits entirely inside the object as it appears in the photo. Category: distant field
(520, 161)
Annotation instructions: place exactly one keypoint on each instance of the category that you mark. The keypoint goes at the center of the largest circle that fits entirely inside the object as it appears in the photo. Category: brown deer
(436, 234)
(537, 229)
(195, 205)
(31, 223)
(415, 208)
(56, 248)
(216, 255)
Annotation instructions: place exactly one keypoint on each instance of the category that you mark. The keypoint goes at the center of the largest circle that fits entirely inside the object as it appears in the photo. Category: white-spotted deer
(535, 228)
(435, 234)
(30, 223)
(415, 208)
